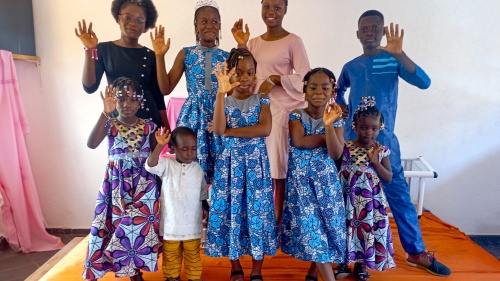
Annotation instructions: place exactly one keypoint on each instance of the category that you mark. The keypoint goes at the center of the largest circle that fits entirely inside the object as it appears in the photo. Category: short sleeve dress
(313, 215)
(241, 219)
(124, 233)
(369, 237)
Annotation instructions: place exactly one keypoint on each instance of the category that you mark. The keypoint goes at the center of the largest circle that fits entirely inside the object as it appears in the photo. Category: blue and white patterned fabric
(242, 219)
(198, 109)
(313, 215)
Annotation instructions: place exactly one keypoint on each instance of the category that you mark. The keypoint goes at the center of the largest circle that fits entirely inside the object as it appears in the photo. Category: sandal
(237, 272)
(360, 272)
(173, 279)
(137, 277)
(256, 277)
(342, 271)
(312, 278)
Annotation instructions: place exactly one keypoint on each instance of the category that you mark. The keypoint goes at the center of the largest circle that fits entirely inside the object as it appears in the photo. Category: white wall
(453, 124)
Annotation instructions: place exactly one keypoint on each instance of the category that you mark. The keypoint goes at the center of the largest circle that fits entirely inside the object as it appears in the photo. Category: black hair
(150, 9)
(371, 13)
(180, 132)
(236, 55)
(196, 13)
(316, 70)
(286, 2)
(367, 111)
(119, 82)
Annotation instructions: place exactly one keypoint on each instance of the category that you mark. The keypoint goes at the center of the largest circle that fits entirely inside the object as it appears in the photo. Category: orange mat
(467, 260)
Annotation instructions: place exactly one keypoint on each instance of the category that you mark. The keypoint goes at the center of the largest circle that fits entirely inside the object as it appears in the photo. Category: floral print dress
(124, 233)
(313, 215)
(198, 109)
(241, 219)
(369, 237)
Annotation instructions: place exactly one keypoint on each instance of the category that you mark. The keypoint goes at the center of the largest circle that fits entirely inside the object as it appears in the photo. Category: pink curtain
(22, 218)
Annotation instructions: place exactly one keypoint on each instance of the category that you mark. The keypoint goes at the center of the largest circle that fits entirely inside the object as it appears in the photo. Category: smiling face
(273, 12)
(185, 148)
(319, 89)
(370, 31)
(207, 26)
(132, 21)
(367, 128)
(245, 74)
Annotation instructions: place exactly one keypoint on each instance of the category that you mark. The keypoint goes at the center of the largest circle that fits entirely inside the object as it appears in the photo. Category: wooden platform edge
(42, 270)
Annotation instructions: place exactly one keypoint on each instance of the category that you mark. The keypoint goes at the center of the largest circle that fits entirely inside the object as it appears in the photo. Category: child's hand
(239, 35)
(332, 113)
(374, 152)
(109, 100)
(158, 41)
(223, 79)
(162, 136)
(210, 127)
(87, 36)
(394, 41)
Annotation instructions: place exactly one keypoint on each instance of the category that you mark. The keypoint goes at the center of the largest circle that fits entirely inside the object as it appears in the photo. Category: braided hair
(328, 72)
(238, 54)
(125, 82)
(366, 108)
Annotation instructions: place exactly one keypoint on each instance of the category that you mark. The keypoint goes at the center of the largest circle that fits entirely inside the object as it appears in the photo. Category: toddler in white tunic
(183, 197)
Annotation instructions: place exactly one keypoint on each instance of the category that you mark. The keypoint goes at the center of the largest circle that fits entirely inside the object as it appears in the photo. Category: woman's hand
(109, 100)
(223, 78)
(373, 152)
(239, 35)
(268, 84)
(158, 41)
(87, 36)
(162, 136)
(332, 113)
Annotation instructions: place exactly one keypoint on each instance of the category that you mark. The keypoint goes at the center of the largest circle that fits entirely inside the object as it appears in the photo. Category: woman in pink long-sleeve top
(281, 65)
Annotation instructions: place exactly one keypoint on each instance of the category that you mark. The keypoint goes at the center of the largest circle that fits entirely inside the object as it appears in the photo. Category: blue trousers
(398, 195)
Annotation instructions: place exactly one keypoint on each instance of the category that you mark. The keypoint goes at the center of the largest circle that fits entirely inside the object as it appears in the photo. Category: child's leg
(192, 259)
(326, 271)
(312, 273)
(172, 259)
(279, 197)
(236, 270)
(257, 269)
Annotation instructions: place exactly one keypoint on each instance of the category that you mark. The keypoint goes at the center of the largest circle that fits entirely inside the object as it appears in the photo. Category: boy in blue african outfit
(376, 73)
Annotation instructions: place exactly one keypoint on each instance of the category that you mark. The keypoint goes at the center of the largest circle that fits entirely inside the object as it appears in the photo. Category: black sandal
(237, 272)
(256, 277)
(360, 272)
(312, 278)
(342, 271)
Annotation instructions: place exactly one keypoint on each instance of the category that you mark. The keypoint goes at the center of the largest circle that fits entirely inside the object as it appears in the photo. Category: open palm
(223, 78)
(158, 41)
(87, 36)
(394, 40)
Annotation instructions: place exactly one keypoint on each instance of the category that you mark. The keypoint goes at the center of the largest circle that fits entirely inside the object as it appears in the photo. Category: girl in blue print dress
(314, 216)
(241, 219)
(198, 63)
(124, 233)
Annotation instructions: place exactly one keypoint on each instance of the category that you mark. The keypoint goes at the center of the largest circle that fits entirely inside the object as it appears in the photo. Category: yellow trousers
(173, 253)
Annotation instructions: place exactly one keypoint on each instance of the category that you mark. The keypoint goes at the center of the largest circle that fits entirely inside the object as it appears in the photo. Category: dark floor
(16, 266)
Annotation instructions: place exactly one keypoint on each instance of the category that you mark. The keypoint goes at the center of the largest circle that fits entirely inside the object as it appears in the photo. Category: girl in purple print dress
(364, 164)
(124, 233)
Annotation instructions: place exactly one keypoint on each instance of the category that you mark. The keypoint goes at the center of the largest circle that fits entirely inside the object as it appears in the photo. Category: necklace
(127, 124)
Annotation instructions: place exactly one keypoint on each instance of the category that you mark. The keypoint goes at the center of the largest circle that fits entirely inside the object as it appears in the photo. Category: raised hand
(394, 40)
(162, 136)
(158, 41)
(87, 36)
(223, 78)
(373, 153)
(332, 113)
(109, 100)
(239, 35)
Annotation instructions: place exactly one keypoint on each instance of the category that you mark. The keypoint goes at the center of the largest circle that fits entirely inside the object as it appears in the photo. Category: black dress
(136, 63)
